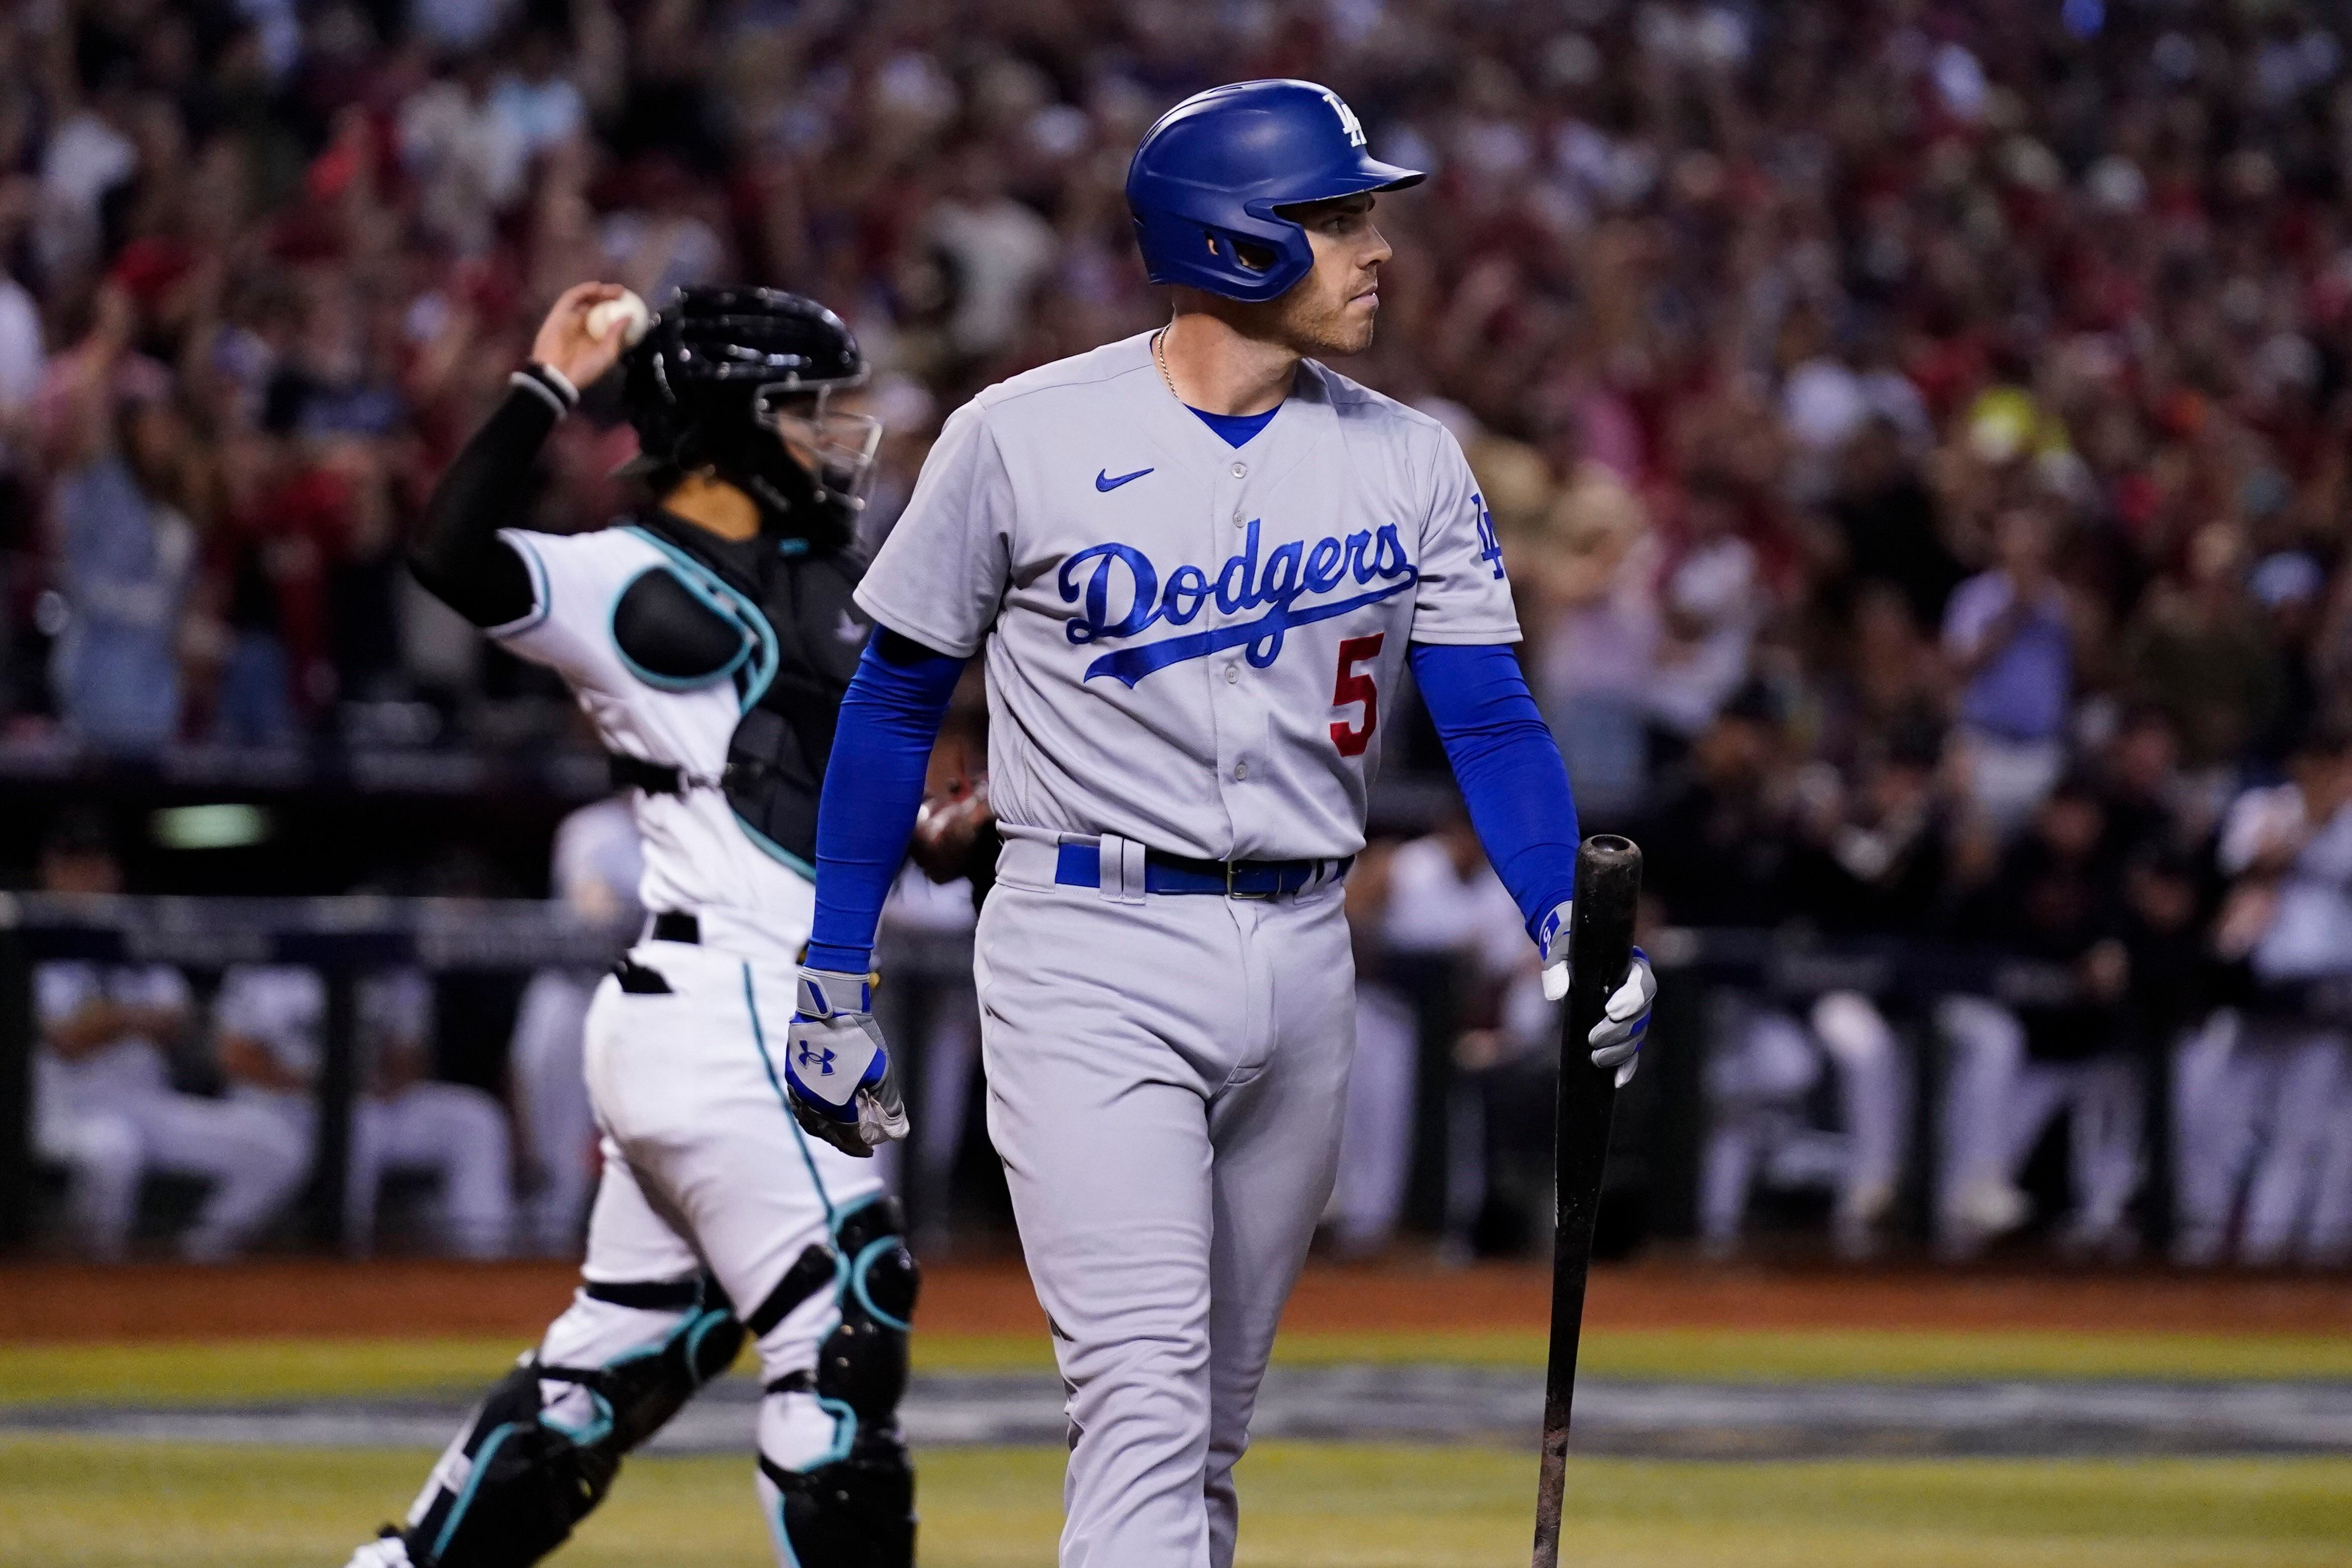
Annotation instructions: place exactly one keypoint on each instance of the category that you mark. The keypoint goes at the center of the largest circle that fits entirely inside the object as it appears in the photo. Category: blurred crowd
(1918, 433)
(1769, 328)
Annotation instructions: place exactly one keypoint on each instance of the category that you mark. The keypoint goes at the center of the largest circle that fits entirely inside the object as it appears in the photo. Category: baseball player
(1198, 562)
(105, 1107)
(709, 637)
(270, 1021)
(2265, 1127)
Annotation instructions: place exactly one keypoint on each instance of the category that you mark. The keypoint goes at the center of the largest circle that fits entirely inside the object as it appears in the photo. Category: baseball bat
(1600, 945)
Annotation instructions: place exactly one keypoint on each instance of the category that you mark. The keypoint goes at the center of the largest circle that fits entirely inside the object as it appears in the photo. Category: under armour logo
(1347, 121)
(820, 1060)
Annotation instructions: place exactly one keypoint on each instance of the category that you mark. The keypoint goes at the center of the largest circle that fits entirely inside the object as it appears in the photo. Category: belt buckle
(1232, 891)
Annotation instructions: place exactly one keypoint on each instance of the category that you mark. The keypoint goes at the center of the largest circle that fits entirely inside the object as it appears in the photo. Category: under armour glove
(837, 1071)
(1616, 1040)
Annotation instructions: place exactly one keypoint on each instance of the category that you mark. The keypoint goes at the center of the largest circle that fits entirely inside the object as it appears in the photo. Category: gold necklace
(1160, 358)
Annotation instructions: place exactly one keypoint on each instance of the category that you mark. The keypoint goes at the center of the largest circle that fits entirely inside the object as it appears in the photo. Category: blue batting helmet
(1211, 171)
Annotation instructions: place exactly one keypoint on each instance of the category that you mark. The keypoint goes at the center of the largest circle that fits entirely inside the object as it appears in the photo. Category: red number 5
(1356, 686)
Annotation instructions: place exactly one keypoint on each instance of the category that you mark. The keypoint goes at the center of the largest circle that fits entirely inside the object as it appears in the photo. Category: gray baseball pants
(1166, 1080)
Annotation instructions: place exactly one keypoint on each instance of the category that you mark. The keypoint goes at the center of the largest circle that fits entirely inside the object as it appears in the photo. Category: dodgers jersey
(1189, 643)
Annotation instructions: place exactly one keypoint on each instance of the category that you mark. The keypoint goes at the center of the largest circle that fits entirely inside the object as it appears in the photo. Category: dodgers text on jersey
(1102, 576)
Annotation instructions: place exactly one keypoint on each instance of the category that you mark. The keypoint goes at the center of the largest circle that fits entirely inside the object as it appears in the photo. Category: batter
(1198, 562)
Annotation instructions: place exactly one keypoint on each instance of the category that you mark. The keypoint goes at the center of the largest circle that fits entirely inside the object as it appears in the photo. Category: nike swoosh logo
(1104, 481)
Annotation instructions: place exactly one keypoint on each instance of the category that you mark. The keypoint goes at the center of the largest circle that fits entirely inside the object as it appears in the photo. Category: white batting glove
(837, 1071)
(1616, 1040)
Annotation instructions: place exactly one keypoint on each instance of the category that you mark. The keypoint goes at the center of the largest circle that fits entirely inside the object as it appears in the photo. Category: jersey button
(1238, 516)
(1241, 470)
(1232, 674)
(1241, 770)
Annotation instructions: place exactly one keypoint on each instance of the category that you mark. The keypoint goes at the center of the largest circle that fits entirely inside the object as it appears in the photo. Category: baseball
(628, 310)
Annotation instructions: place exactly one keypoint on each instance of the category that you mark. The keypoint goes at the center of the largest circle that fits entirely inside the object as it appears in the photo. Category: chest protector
(776, 619)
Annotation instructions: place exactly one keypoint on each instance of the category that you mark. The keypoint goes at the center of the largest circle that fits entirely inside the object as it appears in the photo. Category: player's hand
(1616, 1040)
(837, 1071)
(947, 828)
(566, 345)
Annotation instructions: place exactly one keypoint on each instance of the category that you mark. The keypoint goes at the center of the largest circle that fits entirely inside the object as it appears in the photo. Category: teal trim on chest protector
(662, 682)
(723, 596)
(772, 850)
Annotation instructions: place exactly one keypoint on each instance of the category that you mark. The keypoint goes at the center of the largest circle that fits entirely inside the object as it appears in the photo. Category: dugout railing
(1661, 1124)
(1697, 969)
(1660, 1131)
(344, 938)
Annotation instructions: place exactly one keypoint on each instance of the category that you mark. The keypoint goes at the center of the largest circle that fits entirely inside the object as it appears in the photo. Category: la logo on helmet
(1347, 121)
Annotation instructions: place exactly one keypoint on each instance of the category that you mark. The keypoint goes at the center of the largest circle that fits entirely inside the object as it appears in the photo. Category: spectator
(1596, 635)
(106, 1106)
(2007, 633)
(22, 360)
(996, 251)
(1711, 603)
(1900, 283)
(1889, 526)
(2201, 651)
(2289, 588)
(539, 106)
(127, 551)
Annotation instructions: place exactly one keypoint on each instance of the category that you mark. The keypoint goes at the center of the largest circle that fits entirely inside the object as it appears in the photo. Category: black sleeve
(457, 553)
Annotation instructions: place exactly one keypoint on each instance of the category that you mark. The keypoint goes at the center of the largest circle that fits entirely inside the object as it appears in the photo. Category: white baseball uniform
(1187, 647)
(452, 1132)
(2263, 1103)
(704, 1166)
(698, 856)
(111, 1114)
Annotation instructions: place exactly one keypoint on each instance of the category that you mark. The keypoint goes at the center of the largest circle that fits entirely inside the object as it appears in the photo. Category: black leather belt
(678, 925)
(636, 773)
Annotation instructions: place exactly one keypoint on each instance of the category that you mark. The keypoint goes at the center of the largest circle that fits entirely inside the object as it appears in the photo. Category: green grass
(230, 1370)
(71, 1504)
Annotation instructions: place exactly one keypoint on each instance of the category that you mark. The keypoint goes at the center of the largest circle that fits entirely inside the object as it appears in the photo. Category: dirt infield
(60, 1303)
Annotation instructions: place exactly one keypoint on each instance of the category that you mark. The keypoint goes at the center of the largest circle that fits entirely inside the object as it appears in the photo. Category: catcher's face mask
(835, 446)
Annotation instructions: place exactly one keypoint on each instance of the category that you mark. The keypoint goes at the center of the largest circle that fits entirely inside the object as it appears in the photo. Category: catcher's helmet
(1211, 171)
(738, 381)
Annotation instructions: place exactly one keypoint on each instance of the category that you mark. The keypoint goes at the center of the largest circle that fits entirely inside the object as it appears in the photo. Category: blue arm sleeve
(873, 788)
(1509, 767)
